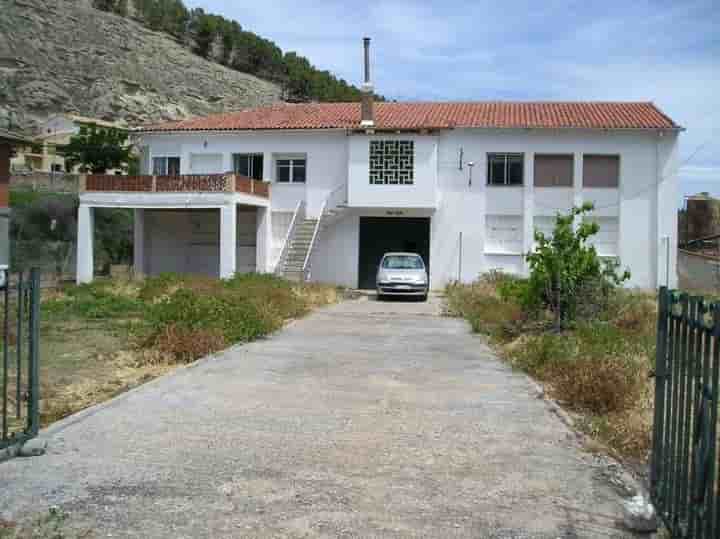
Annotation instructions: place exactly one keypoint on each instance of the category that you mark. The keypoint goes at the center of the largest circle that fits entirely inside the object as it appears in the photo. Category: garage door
(379, 235)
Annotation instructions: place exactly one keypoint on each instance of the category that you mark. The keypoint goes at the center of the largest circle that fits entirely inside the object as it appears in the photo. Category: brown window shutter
(553, 171)
(601, 171)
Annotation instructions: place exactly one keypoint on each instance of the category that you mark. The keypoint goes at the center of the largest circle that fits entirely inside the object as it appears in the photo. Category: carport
(379, 235)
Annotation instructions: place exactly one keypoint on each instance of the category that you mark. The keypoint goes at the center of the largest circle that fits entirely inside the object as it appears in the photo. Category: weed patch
(598, 366)
(106, 337)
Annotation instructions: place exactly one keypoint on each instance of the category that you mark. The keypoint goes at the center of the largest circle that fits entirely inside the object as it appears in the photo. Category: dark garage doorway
(379, 235)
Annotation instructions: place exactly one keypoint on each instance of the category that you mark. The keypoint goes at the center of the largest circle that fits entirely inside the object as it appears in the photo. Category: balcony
(186, 183)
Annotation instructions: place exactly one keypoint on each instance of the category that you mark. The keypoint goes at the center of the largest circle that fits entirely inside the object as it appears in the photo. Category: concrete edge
(10, 452)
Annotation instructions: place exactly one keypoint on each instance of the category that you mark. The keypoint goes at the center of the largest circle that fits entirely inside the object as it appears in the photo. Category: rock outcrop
(65, 56)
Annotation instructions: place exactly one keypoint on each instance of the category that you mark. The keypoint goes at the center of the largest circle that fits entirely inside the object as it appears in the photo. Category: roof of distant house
(438, 115)
(11, 136)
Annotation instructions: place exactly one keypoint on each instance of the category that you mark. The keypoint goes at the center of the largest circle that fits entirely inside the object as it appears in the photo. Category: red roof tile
(535, 115)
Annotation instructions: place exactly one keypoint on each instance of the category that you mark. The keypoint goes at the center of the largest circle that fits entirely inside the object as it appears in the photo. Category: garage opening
(380, 235)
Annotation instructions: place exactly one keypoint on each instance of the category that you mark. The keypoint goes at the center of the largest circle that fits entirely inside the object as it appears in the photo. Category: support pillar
(264, 240)
(228, 241)
(139, 243)
(577, 182)
(86, 229)
(528, 208)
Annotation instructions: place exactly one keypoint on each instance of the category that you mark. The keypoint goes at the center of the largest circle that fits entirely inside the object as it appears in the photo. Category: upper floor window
(553, 170)
(601, 171)
(291, 169)
(249, 165)
(505, 169)
(392, 162)
(166, 166)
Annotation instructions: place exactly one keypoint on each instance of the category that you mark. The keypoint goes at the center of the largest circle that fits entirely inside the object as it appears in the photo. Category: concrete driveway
(366, 419)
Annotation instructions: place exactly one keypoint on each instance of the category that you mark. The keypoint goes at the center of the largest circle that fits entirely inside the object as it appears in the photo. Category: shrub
(565, 267)
(485, 310)
(95, 301)
(598, 385)
(187, 345)
(540, 352)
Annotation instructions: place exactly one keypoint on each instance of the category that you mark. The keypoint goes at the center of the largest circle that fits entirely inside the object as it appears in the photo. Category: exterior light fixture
(471, 165)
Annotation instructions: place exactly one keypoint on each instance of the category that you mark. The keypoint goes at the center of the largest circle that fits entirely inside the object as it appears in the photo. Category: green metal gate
(684, 461)
(19, 372)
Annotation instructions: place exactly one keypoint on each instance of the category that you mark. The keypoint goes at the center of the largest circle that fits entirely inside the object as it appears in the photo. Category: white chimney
(367, 114)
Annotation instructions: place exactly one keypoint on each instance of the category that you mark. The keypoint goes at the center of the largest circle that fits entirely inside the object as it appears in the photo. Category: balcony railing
(185, 183)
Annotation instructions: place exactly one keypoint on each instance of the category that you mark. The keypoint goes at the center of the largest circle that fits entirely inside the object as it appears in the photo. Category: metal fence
(684, 461)
(19, 374)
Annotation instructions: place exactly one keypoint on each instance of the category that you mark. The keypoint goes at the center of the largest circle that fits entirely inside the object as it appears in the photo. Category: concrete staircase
(298, 249)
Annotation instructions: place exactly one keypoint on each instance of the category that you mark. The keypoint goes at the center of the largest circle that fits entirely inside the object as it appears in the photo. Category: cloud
(649, 50)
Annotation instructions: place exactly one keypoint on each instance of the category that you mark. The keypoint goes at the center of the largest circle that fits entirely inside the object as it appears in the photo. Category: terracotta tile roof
(540, 115)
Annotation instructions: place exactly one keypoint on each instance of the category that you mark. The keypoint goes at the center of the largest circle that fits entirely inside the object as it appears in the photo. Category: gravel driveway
(366, 419)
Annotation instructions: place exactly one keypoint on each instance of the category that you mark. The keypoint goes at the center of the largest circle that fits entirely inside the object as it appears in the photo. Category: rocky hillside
(65, 56)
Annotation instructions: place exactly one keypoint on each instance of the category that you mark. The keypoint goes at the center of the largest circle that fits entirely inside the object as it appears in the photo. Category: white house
(321, 191)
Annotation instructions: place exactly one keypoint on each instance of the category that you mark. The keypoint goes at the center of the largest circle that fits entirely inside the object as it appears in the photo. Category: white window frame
(292, 158)
(506, 155)
(165, 157)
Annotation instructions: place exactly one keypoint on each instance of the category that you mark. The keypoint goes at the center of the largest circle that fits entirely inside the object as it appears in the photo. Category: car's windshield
(402, 262)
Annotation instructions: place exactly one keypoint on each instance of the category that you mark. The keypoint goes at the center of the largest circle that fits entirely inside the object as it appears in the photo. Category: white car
(402, 274)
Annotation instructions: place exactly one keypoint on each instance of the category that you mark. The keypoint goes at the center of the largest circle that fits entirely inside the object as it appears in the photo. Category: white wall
(336, 258)
(326, 154)
(640, 211)
(422, 193)
(633, 206)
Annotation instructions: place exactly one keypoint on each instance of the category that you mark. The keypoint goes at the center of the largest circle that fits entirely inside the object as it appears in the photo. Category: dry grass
(187, 345)
(52, 525)
(599, 368)
(100, 340)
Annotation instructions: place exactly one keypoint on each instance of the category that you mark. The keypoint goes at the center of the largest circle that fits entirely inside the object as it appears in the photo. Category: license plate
(403, 287)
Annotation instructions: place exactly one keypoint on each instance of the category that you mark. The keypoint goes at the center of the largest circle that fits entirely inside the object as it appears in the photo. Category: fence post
(18, 346)
(660, 378)
(33, 335)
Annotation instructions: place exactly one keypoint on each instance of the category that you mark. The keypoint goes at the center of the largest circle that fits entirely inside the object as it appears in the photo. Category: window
(505, 169)
(166, 166)
(403, 262)
(504, 234)
(601, 171)
(291, 170)
(249, 165)
(553, 170)
(392, 162)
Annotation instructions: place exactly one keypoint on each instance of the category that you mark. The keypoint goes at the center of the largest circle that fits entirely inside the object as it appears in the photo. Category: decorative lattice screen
(392, 162)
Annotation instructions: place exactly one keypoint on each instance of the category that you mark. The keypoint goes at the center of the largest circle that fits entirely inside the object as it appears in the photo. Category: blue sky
(666, 52)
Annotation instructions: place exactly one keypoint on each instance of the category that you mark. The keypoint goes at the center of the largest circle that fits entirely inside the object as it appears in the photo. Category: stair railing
(306, 264)
(298, 216)
(335, 198)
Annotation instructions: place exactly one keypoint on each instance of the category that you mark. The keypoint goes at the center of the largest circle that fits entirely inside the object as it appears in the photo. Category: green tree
(98, 149)
(566, 266)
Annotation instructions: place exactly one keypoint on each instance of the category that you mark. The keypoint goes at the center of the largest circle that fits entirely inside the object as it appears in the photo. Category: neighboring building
(56, 131)
(463, 184)
(9, 142)
(700, 218)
